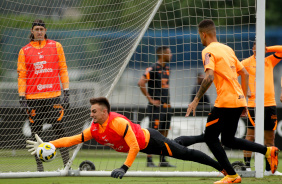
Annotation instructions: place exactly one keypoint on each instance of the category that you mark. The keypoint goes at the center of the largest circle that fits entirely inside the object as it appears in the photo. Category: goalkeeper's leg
(36, 128)
(161, 145)
(59, 130)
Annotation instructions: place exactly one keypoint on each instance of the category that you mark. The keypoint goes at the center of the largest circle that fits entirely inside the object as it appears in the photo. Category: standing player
(41, 67)
(158, 109)
(116, 131)
(221, 67)
(270, 111)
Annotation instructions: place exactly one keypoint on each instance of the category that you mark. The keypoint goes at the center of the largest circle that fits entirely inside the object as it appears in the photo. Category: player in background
(41, 67)
(221, 67)
(270, 111)
(157, 93)
(116, 131)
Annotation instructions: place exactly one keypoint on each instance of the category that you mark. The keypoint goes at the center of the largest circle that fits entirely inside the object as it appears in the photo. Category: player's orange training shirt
(22, 72)
(222, 60)
(269, 63)
(118, 125)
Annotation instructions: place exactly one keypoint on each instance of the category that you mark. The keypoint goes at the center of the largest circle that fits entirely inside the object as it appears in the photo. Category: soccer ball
(46, 152)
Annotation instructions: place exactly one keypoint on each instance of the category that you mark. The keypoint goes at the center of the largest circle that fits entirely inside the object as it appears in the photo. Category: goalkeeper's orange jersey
(118, 125)
(270, 62)
(222, 60)
(38, 70)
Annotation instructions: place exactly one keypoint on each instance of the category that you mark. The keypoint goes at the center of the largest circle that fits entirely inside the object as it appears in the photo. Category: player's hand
(281, 97)
(34, 144)
(156, 103)
(120, 172)
(23, 104)
(192, 107)
(244, 112)
(66, 99)
(249, 94)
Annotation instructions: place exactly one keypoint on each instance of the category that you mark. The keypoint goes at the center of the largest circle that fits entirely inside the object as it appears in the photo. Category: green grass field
(109, 160)
(135, 180)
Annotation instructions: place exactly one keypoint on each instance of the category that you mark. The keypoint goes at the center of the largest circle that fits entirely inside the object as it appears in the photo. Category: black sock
(149, 158)
(267, 166)
(247, 161)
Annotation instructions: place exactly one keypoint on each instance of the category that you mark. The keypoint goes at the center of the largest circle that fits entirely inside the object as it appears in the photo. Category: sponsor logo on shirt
(39, 67)
(45, 86)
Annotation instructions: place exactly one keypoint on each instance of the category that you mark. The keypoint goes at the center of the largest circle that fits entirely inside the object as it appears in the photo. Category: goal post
(108, 46)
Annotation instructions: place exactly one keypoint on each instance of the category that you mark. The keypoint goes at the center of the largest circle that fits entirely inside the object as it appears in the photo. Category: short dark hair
(101, 101)
(160, 50)
(206, 26)
(37, 22)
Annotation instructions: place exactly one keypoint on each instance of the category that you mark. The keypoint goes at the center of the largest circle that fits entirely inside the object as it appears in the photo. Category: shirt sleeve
(239, 65)
(22, 73)
(149, 75)
(73, 140)
(208, 60)
(62, 66)
(119, 125)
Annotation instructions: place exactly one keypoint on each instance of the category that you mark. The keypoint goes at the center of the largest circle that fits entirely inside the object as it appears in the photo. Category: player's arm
(277, 56)
(244, 80)
(142, 85)
(21, 69)
(73, 140)
(62, 142)
(123, 128)
(63, 69)
(206, 83)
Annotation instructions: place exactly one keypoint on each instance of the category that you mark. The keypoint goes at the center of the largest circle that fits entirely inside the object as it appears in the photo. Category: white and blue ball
(46, 152)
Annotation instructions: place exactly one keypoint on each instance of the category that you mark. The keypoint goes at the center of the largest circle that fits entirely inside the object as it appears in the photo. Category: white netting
(98, 38)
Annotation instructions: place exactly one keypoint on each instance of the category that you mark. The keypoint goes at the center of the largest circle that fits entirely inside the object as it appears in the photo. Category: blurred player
(221, 67)
(270, 111)
(116, 131)
(41, 67)
(157, 93)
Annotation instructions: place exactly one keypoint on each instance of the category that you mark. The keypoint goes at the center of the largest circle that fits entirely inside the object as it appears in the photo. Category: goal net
(108, 46)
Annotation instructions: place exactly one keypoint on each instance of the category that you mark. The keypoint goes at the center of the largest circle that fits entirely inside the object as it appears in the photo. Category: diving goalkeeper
(116, 131)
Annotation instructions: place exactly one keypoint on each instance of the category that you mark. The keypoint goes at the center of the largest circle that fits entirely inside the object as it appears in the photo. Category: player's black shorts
(160, 145)
(270, 118)
(222, 121)
(47, 110)
(159, 117)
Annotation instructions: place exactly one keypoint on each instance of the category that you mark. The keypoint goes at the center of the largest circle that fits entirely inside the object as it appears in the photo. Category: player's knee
(179, 140)
(250, 138)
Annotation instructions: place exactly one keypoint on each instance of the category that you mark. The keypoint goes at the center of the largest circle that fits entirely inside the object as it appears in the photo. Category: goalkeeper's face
(99, 113)
(38, 32)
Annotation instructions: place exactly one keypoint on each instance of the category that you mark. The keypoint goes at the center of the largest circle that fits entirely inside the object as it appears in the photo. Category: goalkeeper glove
(120, 172)
(66, 99)
(34, 144)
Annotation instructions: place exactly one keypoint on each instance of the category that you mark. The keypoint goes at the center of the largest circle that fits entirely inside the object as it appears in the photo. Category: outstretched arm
(62, 142)
(203, 88)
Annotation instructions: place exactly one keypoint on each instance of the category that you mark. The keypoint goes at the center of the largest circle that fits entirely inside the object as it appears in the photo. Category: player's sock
(267, 166)
(247, 161)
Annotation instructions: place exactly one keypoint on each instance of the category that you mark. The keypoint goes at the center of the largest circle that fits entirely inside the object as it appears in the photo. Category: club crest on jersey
(207, 58)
